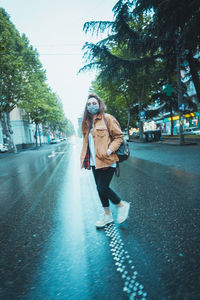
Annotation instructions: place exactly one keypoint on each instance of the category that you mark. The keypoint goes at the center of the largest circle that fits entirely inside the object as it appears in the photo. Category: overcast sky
(55, 29)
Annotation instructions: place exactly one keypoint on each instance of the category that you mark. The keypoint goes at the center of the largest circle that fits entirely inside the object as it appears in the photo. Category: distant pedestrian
(98, 154)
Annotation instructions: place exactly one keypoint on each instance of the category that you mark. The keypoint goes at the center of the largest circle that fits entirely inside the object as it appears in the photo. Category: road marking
(123, 261)
(53, 153)
(124, 264)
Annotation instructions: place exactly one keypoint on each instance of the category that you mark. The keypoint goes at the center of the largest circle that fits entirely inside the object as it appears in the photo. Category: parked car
(152, 135)
(63, 139)
(133, 136)
(3, 148)
(54, 141)
(192, 130)
(196, 130)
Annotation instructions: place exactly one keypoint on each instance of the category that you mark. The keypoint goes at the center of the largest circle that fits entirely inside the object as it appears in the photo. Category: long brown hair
(87, 117)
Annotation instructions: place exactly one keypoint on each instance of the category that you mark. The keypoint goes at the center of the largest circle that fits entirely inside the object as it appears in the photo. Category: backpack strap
(106, 122)
(117, 170)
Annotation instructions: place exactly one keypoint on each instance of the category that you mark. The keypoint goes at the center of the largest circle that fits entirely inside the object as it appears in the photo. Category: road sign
(182, 106)
(142, 115)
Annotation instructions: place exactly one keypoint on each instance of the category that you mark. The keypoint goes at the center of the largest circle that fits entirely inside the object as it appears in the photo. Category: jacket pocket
(101, 132)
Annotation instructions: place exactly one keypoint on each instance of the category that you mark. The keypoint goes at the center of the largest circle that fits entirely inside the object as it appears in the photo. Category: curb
(167, 142)
(176, 143)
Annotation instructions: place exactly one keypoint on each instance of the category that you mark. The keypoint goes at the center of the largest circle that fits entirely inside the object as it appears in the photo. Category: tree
(120, 58)
(40, 104)
(145, 36)
(114, 100)
(23, 83)
(177, 29)
(18, 62)
(10, 74)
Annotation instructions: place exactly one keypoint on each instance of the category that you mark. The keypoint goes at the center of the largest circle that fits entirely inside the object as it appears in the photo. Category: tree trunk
(128, 113)
(194, 73)
(141, 130)
(172, 123)
(140, 122)
(140, 109)
(11, 132)
(6, 126)
(128, 120)
(179, 88)
(36, 135)
(39, 133)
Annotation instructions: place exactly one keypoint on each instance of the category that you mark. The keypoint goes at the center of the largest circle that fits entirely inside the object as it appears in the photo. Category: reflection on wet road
(50, 248)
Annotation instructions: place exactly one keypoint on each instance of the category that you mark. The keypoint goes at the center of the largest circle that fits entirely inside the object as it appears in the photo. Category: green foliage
(124, 66)
(23, 80)
(115, 102)
(174, 28)
(138, 57)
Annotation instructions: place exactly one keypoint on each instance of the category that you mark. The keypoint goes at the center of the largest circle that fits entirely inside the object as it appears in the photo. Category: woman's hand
(109, 152)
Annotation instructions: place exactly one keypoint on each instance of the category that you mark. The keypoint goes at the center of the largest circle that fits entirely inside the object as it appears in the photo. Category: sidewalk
(185, 158)
(173, 140)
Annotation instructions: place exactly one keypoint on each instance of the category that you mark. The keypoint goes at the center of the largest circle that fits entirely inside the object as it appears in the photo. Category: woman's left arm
(115, 132)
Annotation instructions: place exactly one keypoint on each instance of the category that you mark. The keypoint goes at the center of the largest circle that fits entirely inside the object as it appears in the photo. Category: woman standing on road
(98, 153)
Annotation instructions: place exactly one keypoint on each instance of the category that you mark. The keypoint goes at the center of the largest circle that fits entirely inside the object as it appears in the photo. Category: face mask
(93, 109)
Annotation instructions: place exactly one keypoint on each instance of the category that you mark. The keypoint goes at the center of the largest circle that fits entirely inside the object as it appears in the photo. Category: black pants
(103, 178)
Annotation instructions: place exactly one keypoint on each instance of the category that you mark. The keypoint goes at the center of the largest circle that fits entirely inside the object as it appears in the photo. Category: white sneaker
(123, 212)
(105, 219)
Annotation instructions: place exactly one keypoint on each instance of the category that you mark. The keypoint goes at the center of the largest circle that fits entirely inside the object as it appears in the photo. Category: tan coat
(102, 141)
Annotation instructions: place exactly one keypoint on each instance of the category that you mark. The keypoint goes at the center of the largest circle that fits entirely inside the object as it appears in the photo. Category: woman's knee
(102, 190)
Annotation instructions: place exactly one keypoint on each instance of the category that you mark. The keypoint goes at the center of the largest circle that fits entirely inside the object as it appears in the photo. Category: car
(188, 131)
(134, 136)
(3, 148)
(196, 130)
(192, 130)
(54, 141)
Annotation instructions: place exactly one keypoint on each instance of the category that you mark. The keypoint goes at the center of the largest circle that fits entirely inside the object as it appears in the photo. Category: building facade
(23, 130)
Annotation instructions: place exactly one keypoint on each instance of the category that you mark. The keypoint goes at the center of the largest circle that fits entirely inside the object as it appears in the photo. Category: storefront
(189, 120)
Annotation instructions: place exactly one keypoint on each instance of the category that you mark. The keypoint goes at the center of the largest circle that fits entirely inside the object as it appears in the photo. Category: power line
(61, 54)
(58, 45)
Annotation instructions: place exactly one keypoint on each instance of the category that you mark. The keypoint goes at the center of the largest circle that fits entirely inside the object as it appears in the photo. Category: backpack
(123, 152)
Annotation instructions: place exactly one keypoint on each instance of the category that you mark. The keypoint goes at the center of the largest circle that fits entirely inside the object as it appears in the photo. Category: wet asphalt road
(50, 248)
